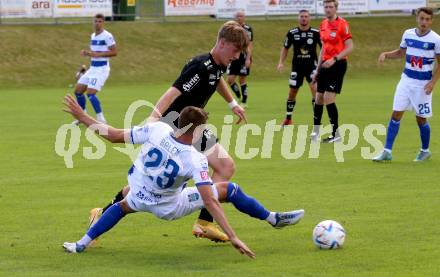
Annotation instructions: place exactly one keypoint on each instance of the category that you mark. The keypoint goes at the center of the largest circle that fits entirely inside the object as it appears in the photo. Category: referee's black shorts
(331, 79)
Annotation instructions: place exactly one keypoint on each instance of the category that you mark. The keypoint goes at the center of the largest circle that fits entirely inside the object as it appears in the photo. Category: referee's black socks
(332, 111)
(236, 90)
(317, 114)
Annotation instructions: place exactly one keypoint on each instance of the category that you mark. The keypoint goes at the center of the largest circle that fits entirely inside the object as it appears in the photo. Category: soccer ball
(328, 234)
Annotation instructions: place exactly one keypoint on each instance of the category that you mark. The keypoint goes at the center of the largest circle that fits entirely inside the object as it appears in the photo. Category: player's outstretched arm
(164, 103)
(395, 54)
(216, 210)
(106, 131)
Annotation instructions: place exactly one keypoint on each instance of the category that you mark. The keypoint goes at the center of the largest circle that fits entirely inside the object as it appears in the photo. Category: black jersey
(304, 44)
(197, 82)
(249, 32)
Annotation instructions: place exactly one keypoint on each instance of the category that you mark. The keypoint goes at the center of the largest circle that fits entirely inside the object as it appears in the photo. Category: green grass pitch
(389, 211)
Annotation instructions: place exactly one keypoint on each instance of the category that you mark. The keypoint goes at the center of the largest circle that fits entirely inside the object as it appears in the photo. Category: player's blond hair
(332, 1)
(232, 32)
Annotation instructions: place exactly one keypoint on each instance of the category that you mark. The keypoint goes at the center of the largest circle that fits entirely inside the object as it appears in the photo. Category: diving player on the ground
(157, 179)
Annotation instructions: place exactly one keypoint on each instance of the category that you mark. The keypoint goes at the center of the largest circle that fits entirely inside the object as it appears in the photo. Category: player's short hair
(332, 1)
(194, 115)
(427, 10)
(303, 11)
(100, 16)
(232, 32)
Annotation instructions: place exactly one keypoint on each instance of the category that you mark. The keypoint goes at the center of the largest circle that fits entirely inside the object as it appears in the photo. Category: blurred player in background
(102, 47)
(158, 178)
(337, 44)
(242, 66)
(421, 47)
(305, 40)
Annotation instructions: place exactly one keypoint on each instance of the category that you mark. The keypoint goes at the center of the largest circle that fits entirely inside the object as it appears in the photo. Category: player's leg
(233, 85)
(322, 82)
(332, 111)
(290, 105)
(244, 88)
(232, 193)
(107, 221)
(401, 103)
(80, 88)
(94, 100)
(422, 103)
(425, 135)
(312, 85)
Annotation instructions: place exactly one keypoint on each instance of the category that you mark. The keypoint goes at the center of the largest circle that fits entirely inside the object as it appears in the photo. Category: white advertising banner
(228, 8)
(25, 8)
(280, 7)
(189, 7)
(347, 6)
(398, 5)
(82, 8)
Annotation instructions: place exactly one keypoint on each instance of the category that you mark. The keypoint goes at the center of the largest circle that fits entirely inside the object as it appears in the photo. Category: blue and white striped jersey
(421, 52)
(101, 43)
(164, 165)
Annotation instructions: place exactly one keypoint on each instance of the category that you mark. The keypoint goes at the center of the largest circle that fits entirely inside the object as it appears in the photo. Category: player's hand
(85, 53)
(238, 110)
(240, 246)
(429, 87)
(382, 57)
(280, 67)
(73, 107)
(328, 63)
(314, 77)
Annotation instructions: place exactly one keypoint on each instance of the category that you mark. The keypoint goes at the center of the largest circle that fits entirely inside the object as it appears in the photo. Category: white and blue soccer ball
(328, 234)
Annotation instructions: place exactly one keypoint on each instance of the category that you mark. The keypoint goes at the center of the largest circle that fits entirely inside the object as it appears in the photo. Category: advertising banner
(82, 8)
(398, 5)
(189, 7)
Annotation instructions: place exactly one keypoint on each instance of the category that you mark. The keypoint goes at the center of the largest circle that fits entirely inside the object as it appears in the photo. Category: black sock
(289, 108)
(313, 103)
(205, 215)
(236, 89)
(118, 197)
(332, 111)
(317, 114)
(244, 92)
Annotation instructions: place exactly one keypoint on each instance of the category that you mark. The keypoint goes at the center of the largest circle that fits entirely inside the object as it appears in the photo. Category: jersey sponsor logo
(417, 62)
(204, 175)
(303, 35)
(191, 83)
(333, 34)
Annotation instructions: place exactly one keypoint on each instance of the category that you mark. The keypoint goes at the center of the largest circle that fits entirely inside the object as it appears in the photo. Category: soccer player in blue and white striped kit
(102, 47)
(421, 46)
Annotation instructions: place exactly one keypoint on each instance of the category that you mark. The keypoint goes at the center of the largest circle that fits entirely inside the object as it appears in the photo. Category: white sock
(85, 240)
(272, 218)
(387, 150)
(424, 150)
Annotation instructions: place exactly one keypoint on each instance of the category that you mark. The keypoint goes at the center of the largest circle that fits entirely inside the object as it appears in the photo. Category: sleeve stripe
(131, 136)
(203, 184)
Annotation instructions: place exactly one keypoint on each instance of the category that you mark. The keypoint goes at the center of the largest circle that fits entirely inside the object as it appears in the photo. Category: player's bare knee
(420, 120)
(397, 115)
(80, 88)
(125, 190)
(125, 207)
(319, 99)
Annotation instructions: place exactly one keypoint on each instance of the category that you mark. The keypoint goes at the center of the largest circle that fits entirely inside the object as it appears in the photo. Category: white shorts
(95, 77)
(165, 207)
(409, 97)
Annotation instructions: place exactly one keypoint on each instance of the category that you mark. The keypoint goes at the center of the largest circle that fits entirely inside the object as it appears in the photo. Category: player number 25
(167, 178)
(424, 108)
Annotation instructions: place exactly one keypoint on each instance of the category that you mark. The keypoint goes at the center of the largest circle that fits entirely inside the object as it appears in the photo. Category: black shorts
(331, 79)
(238, 67)
(299, 72)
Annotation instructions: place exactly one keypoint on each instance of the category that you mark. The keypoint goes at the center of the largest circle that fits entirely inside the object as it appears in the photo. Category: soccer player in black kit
(305, 41)
(242, 66)
(198, 81)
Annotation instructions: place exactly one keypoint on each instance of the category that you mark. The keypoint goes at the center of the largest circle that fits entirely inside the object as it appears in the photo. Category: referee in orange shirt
(337, 44)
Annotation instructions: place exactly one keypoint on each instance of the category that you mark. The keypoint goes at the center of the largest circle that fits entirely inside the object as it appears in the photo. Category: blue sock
(81, 99)
(425, 134)
(108, 219)
(95, 102)
(244, 203)
(393, 129)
